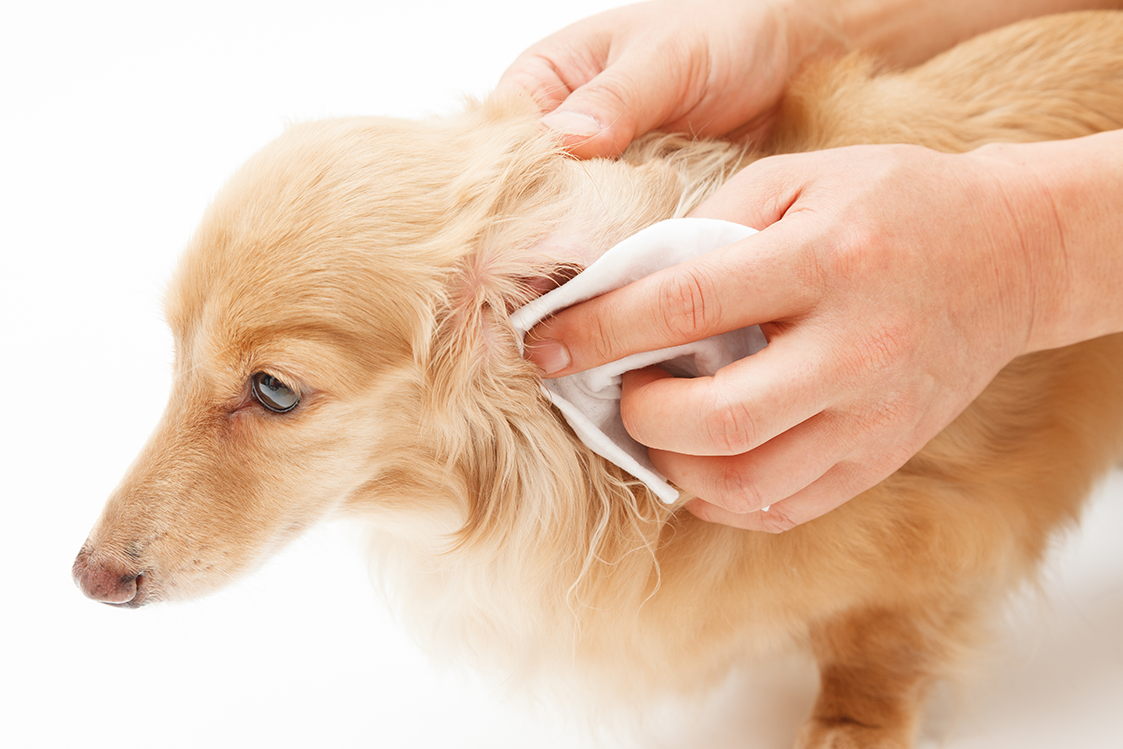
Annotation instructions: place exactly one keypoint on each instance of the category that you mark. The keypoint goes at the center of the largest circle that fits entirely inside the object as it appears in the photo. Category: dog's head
(308, 314)
(341, 343)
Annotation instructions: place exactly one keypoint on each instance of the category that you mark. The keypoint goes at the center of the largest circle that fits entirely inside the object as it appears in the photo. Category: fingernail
(548, 355)
(572, 123)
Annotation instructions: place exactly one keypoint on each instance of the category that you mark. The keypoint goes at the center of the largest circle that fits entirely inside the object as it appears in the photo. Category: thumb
(632, 96)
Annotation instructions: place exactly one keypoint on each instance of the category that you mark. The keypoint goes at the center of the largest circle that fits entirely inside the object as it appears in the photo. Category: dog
(343, 348)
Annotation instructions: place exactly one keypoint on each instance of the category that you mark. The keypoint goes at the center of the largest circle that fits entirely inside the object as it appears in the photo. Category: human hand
(892, 282)
(716, 68)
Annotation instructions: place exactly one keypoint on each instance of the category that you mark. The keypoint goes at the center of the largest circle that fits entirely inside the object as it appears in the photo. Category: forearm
(908, 32)
(1071, 200)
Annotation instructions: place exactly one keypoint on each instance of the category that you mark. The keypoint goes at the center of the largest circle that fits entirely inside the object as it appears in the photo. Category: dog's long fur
(372, 263)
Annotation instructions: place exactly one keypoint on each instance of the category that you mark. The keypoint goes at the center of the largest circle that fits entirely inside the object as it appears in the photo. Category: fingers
(770, 474)
(833, 489)
(552, 69)
(704, 69)
(600, 83)
(535, 75)
(745, 405)
(634, 95)
(780, 440)
(599, 111)
(725, 290)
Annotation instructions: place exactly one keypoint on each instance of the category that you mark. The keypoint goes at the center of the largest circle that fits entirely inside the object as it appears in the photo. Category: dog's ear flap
(474, 350)
(486, 413)
(507, 208)
(512, 458)
(509, 197)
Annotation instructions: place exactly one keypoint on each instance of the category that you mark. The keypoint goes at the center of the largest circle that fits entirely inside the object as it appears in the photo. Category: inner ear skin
(536, 286)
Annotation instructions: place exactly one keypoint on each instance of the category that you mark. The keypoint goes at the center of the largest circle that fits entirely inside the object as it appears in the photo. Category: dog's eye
(273, 394)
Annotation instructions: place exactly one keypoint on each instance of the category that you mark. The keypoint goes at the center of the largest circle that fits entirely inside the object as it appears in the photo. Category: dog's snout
(108, 580)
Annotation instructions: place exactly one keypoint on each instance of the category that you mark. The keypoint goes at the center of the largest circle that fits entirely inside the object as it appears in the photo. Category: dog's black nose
(107, 580)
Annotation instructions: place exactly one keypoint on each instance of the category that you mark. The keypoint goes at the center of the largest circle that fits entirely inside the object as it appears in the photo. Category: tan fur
(372, 263)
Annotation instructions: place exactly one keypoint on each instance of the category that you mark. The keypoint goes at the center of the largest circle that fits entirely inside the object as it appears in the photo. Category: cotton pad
(590, 401)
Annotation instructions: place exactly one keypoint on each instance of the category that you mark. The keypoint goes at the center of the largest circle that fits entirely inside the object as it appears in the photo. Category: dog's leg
(875, 667)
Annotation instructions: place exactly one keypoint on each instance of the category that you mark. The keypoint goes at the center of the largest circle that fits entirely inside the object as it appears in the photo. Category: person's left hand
(717, 68)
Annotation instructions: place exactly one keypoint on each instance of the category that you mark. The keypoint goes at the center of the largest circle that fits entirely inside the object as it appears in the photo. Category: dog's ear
(507, 200)
(519, 218)
(487, 417)
(506, 194)
(474, 354)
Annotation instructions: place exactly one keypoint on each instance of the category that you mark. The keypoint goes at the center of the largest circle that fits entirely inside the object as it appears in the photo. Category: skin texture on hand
(908, 282)
(892, 282)
(708, 69)
(718, 68)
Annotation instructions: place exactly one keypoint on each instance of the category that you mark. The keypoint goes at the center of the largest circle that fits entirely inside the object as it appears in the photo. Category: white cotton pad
(590, 401)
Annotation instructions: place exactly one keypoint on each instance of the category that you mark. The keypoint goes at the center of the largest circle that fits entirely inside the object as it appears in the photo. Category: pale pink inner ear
(537, 285)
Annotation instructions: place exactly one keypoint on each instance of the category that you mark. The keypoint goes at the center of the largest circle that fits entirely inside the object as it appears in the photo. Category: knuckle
(609, 94)
(886, 414)
(882, 419)
(739, 488)
(847, 255)
(730, 426)
(777, 520)
(881, 349)
(603, 339)
(885, 347)
(688, 305)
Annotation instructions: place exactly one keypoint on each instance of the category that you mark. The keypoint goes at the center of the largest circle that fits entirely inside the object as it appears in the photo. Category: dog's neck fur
(534, 524)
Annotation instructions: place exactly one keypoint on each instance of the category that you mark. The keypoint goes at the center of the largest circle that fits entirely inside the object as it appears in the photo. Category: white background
(117, 124)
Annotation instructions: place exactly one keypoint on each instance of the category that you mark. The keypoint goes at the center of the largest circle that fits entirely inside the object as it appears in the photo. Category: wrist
(1063, 196)
(908, 32)
(1027, 240)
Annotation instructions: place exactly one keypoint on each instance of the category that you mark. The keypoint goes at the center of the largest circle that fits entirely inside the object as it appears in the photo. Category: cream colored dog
(342, 347)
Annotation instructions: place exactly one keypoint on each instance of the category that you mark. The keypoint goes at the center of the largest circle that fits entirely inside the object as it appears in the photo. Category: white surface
(118, 124)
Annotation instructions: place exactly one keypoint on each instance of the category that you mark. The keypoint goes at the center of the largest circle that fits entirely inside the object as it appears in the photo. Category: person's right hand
(892, 283)
(709, 69)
